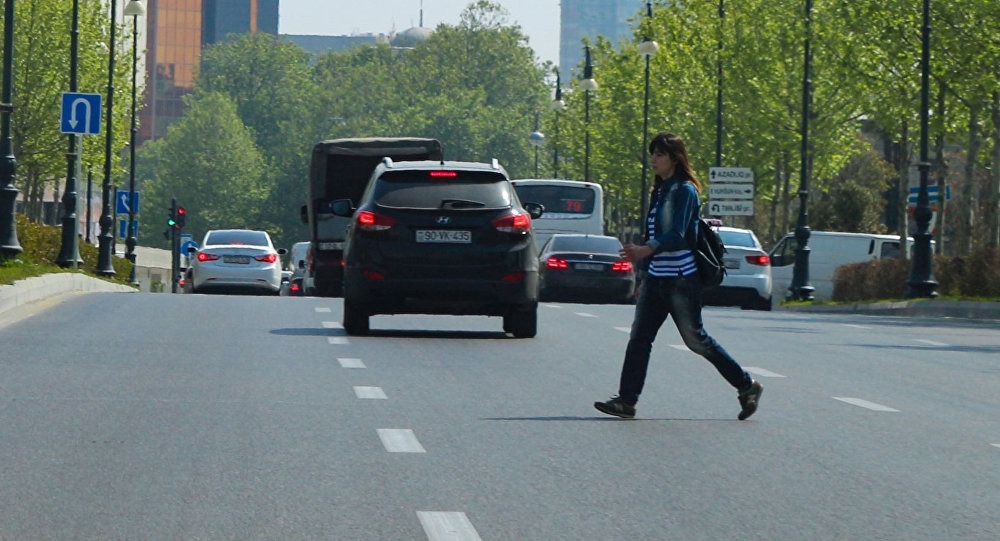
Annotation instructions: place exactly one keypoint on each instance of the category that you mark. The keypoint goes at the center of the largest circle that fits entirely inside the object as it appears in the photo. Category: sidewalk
(39, 288)
(922, 308)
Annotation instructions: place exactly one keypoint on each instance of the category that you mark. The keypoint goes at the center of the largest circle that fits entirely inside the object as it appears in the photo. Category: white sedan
(236, 260)
(748, 272)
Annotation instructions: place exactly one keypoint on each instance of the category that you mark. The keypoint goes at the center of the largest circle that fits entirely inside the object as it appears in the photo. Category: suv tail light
(267, 258)
(759, 260)
(516, 222)
(556, 263)
(205, 256)
(369, 221)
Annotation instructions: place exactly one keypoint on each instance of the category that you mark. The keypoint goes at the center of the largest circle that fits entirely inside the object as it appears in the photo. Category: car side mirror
(304, 214)
(282, 251)
(302, 263)
(535, 210)
(342, 207)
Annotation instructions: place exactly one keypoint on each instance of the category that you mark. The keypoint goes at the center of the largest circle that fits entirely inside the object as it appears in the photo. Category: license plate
(434, 235)
(241, 259)
(331, 246)
(589, 266)
(731, 263)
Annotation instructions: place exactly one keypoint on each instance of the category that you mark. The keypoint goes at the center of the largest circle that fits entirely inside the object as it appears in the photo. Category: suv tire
(522, 322)
(355, 319)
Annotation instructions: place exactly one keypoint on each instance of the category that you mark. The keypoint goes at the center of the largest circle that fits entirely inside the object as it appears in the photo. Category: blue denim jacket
(676, 205)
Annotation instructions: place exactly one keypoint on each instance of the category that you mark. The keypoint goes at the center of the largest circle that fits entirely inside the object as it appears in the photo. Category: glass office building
(591, 18)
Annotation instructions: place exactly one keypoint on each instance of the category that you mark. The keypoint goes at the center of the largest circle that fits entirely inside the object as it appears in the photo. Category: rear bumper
(440, 296)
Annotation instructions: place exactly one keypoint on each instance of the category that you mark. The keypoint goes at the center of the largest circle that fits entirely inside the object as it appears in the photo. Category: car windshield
(461, 190)
(743, 239)
(247, 238)
(603, 245)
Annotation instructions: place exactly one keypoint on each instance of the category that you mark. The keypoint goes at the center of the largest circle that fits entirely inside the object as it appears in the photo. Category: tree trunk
(942, 173)
(969, 174)
(994, 233)
(903, 191)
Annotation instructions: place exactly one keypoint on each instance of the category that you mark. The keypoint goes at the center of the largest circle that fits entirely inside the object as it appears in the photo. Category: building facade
(581, 19)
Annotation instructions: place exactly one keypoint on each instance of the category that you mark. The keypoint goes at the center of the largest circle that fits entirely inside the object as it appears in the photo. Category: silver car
(748, 272)
(236, 260)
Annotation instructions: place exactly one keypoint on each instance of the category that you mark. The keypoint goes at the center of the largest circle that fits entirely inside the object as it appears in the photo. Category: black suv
(437, 237)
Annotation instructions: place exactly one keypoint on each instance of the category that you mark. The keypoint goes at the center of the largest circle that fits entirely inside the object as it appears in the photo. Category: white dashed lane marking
(995, 445)
(374, 393)
(624, 329)
(339, 340)
(763, 373)
(400, 440)
(932, 343)
(347, 362)
(856, 326)
(322, 309)
(680, 347)
(865, 404)
(447, 526)
(332, 325)
(584, 314)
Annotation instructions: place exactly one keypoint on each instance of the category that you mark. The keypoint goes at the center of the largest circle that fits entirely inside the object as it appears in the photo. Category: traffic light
(172, 216)
(179, 217)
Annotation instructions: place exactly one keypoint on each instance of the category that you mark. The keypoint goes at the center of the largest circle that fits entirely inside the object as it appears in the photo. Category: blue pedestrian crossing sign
(81, 113)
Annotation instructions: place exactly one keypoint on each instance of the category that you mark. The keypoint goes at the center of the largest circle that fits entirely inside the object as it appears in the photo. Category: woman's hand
(634, 253)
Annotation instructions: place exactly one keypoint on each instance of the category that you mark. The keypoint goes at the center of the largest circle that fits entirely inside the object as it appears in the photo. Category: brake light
(203, 256)
(369, 221)
(443, 174)
(556, 263)
(267, 258)
(622, 266)
(759, 260)
(517, 222)
(294, 288)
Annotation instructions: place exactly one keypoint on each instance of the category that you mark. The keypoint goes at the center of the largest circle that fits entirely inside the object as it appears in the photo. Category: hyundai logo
(443, 220)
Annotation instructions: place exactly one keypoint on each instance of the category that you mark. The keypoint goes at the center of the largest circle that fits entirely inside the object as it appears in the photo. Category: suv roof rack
(387, 161)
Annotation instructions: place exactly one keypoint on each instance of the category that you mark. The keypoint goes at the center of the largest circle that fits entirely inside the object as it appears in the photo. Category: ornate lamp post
(800, 288)
(69, 251)
(9, 247)
(921, 280)
(718, 90)
(588, 84)
(647, 48)
(104, 239)
(537, 139)
(557, 105)
(134, 9)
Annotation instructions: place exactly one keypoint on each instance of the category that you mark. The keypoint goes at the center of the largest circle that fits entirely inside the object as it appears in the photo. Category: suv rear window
(451, 190)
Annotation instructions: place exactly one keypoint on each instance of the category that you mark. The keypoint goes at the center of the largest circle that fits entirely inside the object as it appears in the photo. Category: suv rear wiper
(461, 204)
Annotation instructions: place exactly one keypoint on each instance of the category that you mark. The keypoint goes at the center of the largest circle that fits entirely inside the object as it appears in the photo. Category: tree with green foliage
(207, 161)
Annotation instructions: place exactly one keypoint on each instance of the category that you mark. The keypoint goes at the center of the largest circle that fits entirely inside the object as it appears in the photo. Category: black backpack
(708, 249)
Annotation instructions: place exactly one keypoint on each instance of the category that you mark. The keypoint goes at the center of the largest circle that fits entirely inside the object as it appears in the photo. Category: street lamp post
(557, 105)
(718, 89)
(588, 84)
(104, 238)
(921, 282)
(800, 288)
(537, 139)
(134, 10)
(69, 252)
(647, 49)
(9, 247)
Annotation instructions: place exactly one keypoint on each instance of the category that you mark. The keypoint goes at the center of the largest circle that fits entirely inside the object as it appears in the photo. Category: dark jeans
(679, 298)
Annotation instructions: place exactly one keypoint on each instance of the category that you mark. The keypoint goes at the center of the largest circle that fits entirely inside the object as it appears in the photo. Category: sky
(539, 19)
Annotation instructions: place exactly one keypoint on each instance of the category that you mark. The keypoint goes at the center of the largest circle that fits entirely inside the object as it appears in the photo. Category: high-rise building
(591, 18)
(176, 32)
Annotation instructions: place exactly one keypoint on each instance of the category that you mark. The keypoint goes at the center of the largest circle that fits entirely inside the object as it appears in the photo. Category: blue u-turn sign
(81, 113)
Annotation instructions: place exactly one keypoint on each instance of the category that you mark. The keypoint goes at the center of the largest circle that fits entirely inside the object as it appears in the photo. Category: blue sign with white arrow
(122, 203)
(81, 113)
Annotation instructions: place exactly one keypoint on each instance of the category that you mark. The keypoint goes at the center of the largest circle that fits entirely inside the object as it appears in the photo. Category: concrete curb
(42, 287)
(987, 310)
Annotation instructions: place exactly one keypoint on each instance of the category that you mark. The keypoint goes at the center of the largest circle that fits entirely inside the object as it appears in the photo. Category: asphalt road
(142, 416)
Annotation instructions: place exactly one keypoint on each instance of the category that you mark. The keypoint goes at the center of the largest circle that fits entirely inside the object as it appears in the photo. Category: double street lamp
(105, 266)
(536, 139)
(647, 48)
(134, 10)
(69, 252)
(588, 84)
(800, 288)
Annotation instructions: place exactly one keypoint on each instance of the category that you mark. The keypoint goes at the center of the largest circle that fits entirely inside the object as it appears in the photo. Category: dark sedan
(585, 268)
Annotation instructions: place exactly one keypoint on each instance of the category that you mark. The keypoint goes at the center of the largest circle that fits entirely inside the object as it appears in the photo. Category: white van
(827, 251)
(571, 206)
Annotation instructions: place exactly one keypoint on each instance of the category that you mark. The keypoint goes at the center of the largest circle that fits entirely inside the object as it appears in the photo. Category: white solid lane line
(348, 362)
(447, 526)
(932, 343)
(322, 309)
(400, 440)
(374, 393)
(865, 404)
(763, 373)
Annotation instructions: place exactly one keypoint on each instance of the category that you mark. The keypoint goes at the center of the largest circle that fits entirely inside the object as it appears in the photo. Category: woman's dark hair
(673, 146)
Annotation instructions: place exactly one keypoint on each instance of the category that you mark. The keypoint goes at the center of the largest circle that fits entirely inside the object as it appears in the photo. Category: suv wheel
(522, 322)
(355, 319)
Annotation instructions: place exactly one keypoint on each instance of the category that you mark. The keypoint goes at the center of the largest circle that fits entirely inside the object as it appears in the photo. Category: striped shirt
(668, 263)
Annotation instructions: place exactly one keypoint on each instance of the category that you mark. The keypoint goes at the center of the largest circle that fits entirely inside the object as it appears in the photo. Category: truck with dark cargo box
(341, 169)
